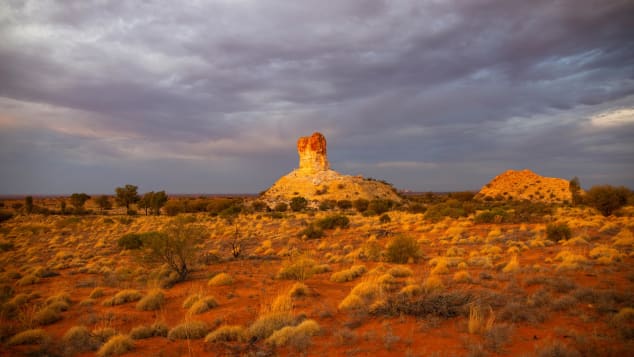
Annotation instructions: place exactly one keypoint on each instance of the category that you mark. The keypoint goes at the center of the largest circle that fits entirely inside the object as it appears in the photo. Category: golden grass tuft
(512, 266)
(29, 337)
(147, 331)
(297, 268)
(78, 339)
(348, 274)
(189, 330)
(202, 305)
(123, 297)
(400, 271)
(221, 279)
(462, 277)
(433, 283)
(154, 300)
(116, 345)
(287, 334)
(299, 290)
(411, 290)
(227, 333)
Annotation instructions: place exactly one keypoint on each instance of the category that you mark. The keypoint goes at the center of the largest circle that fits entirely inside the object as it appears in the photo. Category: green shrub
(280, 207)
(360, 205)
(190, 330)
(334, 221)
(298, 204)
(130, 241)
(344, 204)
(402, 249)
(116, 345)
(311, 232)
(607, 199)
(558, 231)
(380, 206)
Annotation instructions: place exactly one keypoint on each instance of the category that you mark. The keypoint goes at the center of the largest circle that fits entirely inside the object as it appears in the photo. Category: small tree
(127, 195)
(158, 200)
(78, 200)
(103, 202)
(606, 198)
(175, 246)
(402, 249)
(28, 204)
(298, 204)
(575, 190)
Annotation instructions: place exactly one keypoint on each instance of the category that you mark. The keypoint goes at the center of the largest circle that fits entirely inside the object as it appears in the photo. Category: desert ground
(263, 283)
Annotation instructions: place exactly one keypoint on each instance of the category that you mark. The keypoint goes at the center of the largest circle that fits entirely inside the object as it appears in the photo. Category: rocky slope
(526, 185)
(315, 181)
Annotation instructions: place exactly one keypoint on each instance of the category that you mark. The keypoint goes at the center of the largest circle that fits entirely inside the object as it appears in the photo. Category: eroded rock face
(312, 152)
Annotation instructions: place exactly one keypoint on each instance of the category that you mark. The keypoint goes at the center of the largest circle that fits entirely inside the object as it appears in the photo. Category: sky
(211, 96)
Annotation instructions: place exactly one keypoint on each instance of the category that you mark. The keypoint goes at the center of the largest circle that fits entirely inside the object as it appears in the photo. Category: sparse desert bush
(623, 322)
(123, 297)
(400, 271)
(607, 199)
(497, 337)
(402, 249)
(297, 268)
(116, 345)
(299, 290)
(29, 337)
(266, 324)
(558, 231)
(96, 293)
(78, 339)
(334, 221)
(440, 304)
(47, 315)
(154, 300)
(348, 274)
(227, 333)
(148, 331)
(295, 335)
(311, 232)
(190, 330)
(130, 241)
(103, 334)
(433, 283)
(512, 266)
(221, 279)
(203, 304)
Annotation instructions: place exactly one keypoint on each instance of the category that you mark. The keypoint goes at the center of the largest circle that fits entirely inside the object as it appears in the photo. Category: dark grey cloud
(211, 95)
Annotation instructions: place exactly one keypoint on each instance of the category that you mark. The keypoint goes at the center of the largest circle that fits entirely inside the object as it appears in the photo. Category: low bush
(154, 300)
(401, 249)
(47, 315)
(348, 274)
(78, 339)
(148, 331)
(266, 324)
(203, 305)
(558, 231)
(226, 334)
(190, 330)
(123, 296)
(130, 241)
(334, 221)
(116, 345)
(29, 337)
(299, 268)
(221, 279)
(294, 334)
(311, 232)
(441, 304)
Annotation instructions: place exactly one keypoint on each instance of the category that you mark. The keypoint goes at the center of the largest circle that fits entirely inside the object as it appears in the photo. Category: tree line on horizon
(606, 199)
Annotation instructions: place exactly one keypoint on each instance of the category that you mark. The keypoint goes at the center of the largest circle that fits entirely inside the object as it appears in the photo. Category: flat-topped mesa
(312, 153)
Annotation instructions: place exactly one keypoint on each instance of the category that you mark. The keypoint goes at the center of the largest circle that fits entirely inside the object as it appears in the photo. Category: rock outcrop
(526, 185)
(316, 182)
(313, 154)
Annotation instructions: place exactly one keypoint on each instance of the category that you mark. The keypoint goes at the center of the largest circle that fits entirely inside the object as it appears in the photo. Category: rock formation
(316, 182)
(313, 155)
(526, 185)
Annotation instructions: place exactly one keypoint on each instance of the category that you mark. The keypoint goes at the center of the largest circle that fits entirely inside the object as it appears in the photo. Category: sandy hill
(315, 181)
(526, 185)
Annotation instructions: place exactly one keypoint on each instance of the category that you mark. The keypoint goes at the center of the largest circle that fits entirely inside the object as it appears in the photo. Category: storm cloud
(210, 96)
